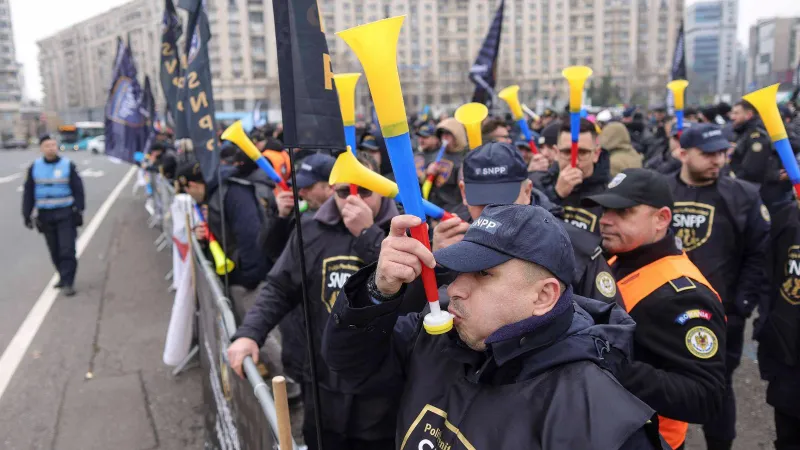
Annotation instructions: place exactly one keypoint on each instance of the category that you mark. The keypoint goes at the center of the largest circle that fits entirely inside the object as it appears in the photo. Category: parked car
(97, 145)
(10, 144)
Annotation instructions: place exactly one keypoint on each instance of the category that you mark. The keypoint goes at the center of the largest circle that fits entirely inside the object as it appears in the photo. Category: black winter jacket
(332, 255)
(777, 328)
(534, 377)
(586, 218)
(724, 229)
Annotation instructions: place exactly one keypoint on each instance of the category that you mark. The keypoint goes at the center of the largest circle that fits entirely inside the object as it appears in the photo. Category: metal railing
(163, 194)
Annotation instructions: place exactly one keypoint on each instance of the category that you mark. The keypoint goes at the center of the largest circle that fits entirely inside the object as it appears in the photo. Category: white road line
(10, 178)
(13, 354)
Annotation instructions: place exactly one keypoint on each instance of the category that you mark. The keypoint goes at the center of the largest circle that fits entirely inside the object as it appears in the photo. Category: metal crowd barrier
(233, 419)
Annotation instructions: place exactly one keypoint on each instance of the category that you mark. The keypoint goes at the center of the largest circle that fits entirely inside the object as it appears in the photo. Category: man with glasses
(344, 235)
(566, 185)
(495, 130)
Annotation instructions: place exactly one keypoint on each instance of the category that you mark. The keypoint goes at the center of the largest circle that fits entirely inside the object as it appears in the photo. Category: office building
(10, 78)
(629, 41)
(772, 53)
(711, 47)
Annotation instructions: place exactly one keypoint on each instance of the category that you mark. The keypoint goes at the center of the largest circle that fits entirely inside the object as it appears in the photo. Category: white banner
(179, 333)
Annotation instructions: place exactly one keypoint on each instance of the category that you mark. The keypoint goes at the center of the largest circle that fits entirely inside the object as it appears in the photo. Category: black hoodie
(535, 377)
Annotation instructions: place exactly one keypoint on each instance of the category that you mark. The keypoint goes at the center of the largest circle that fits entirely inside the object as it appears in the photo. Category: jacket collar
(329, 214)
(511, 341)
(637, 258)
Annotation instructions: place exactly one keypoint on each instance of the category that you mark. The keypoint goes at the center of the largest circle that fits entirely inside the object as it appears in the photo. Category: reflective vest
(51, 181)
(643, 282)
(280, 162)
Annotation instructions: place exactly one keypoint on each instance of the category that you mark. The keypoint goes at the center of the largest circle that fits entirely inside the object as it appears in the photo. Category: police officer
(528, 365)
(340, 238)
(777, 325)
(54, 187)
(495, 173)
(724, 228)
(566, 186)
(754, 159)
(679, 345)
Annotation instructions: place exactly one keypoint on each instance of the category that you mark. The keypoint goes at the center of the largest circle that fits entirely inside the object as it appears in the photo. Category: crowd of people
(602, 303)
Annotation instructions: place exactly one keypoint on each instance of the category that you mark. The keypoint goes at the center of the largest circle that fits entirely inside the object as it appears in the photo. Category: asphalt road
(93, 376)
(26, 267)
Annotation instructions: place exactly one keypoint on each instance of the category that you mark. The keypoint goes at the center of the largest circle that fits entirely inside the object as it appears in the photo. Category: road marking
(20, 188)
(10, 178)
(90, 173)
(19, 344)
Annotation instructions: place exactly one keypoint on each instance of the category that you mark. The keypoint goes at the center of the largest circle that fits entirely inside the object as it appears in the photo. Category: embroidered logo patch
(335, 272)
(617, 180)
(765, 214)
(580, 218)
(693, 223)
(693, 314)
(605, 284)
(702, 342)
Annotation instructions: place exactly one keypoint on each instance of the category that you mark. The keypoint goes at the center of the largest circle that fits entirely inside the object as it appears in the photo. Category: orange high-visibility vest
(638, 285)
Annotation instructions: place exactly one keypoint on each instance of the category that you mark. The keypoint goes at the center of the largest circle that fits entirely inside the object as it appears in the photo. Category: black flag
(199, 100)
(147, 107)
(310, 107)
(679, 57)
(484, 71)
(171, 67)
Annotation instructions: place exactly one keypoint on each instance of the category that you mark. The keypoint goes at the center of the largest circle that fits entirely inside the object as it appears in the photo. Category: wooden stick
(282, 411)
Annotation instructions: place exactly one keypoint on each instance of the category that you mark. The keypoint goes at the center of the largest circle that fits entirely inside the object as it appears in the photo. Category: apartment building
(630, 41)
(10, 78)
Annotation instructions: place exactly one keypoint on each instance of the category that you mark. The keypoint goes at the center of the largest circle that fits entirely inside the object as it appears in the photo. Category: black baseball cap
(550, 134)
(189, 171)
(634, 187)
(45, 137)
(505, 232)
(426, 131)
(314, 168)
(686, 126)
(493, 173)
(369, 143)
(709, 138)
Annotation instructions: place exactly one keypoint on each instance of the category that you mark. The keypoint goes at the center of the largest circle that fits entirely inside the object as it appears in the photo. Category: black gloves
(28, 223)
(77, 217)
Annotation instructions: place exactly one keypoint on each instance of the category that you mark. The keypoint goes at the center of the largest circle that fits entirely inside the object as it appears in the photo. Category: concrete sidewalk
(93, 377)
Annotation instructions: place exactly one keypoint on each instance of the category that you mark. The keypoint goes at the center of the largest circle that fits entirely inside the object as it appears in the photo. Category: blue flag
(484, 71)
(126, 128)
(171, 75)
(199, 103)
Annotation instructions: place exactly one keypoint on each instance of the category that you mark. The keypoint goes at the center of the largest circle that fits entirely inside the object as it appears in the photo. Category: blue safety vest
(52, 184)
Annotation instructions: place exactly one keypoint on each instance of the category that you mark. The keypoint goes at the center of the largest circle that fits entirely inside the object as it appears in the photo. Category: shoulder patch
(765, 214)
(692, 314)
(605, 284)
(756, 147)
(682, 284)
(702, 342)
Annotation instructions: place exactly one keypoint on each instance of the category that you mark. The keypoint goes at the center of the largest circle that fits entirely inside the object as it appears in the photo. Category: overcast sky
(33, 20)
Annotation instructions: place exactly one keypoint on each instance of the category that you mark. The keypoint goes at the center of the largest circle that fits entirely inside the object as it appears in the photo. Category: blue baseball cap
(314, 168)
(506, 232)
(493, 173)
(707, 137)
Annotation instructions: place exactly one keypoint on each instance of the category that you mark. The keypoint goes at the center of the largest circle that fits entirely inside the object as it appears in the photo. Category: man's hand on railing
(239, 350)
